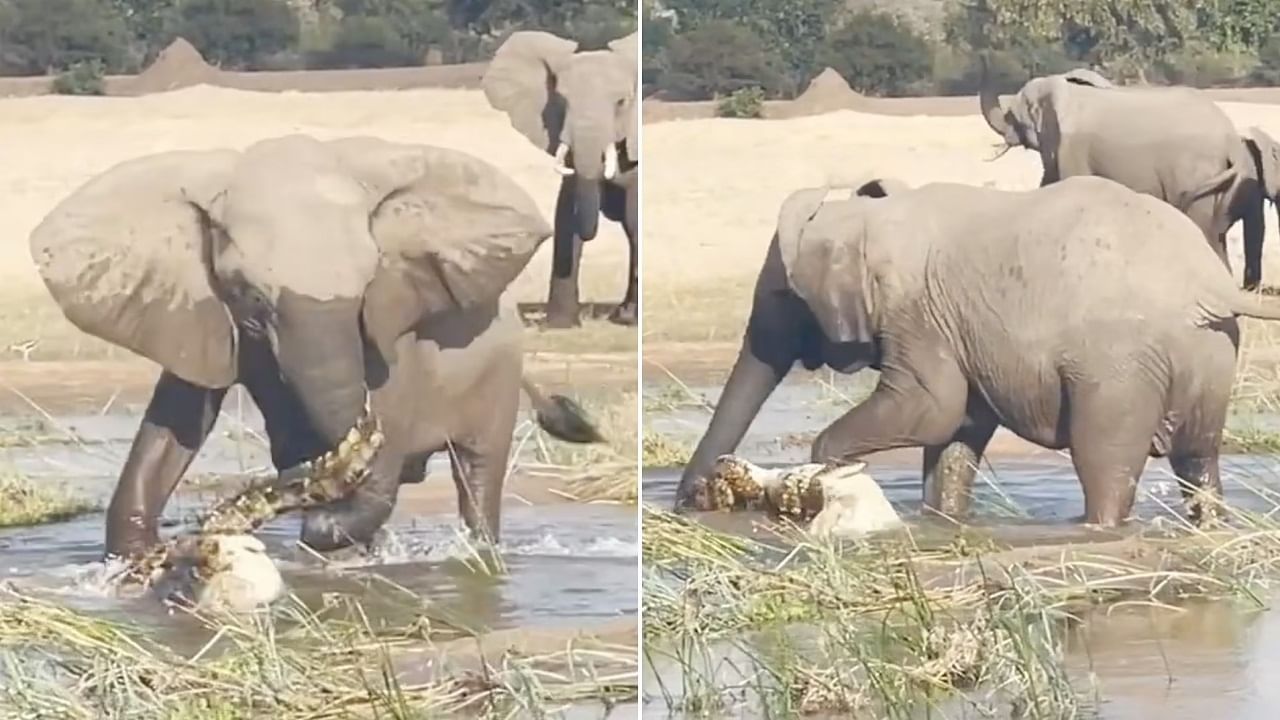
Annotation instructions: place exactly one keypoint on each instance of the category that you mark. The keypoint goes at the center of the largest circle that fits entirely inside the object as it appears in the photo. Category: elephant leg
(479, 477)
(625, 313)
(356, 519)
(1112, 424)
(949, 470)
(177, 421)
(901, 412)
(1201, 485)
(1203, 214)
(1254, 232)
(415, 469)
(563, 309)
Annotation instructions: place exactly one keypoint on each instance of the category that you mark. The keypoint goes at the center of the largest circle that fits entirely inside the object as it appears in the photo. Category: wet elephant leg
(950, 469)
(1112, 423)
(901, 412)
(563, 309)
(1201, 485)
(177, 421)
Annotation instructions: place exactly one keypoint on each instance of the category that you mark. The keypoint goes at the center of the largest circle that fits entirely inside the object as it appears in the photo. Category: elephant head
(1030, 119)
(816, 301)
(1265, 153)
(326, 252)
(579, 106)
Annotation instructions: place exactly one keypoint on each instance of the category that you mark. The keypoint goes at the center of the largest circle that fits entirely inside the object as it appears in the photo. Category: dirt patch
(177, 66)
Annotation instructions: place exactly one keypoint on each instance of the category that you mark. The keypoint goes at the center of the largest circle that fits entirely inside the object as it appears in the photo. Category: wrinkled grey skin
(316, 274)
(1080, 315)
(1173, 143)
(580, 107)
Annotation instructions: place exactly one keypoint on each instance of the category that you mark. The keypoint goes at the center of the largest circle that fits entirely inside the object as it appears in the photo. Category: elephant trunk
(752, 381)
(320, 350)
(595, 159)
(992, 110)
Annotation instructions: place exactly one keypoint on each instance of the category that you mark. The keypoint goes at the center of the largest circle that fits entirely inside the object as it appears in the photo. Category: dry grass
(663, 451)
(297, 663)
(892, 628)
(27, 502)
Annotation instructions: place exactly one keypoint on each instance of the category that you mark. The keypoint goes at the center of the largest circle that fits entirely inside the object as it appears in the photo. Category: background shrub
(743, 103)
(877, 54)
(235, 34)
(719, 58)
(83, 78)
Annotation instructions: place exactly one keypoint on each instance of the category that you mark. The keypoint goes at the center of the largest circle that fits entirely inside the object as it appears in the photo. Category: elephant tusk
(561, 152)
(611, 161)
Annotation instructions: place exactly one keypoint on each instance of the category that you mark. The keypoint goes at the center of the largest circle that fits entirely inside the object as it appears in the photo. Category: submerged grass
(891, 628)
(26, 502)
(295, 663)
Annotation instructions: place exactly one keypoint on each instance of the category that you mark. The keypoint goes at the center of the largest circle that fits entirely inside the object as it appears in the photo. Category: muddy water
(1206, 660)
(570, 565)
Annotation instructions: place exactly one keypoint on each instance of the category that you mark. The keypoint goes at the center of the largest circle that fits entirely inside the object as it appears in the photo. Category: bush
(877, 53)
(82, 78)
(1199, 65)
(365, 42)
(719, 58)
(236, 34)
(743, 103)
(1267, 71)
(39, 36)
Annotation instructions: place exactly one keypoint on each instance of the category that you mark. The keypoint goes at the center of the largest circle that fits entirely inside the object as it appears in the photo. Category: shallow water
(1208, 660)
(570, 565)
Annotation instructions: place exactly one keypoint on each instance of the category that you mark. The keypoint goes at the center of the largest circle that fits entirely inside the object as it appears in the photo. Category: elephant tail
(560, 416)
(1255, 306)
(1223, 181)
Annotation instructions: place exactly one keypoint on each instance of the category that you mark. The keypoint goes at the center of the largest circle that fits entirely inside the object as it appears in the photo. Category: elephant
(330, 279)
(580, 107)
(1173, 143)
(1079, 315)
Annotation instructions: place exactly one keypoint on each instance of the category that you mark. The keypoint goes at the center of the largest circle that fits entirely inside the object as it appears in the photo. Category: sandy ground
(712, 189)
(50, 145)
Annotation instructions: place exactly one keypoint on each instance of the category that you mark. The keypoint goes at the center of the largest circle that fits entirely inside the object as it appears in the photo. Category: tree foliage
(876, 52)
(235, 33)
(43, 36)
(1197, 42)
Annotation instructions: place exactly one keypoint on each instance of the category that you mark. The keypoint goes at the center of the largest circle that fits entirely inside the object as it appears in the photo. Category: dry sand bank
(712, 189)
(50, 145)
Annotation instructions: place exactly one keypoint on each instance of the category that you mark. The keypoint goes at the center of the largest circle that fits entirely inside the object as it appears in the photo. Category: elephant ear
(452, 231)
(881, 187)
(822, 251)
(1267, 154)
(127, 257)
(629, 48)
(521, 81)
(1085, 76)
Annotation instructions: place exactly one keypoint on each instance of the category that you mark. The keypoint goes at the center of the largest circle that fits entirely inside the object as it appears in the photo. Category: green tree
(41, 36)
(145, 20)
(878, 54)
(236, 33)
(718, 58)
(794, 30)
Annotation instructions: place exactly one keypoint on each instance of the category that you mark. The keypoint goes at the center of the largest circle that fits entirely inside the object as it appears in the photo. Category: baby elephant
(1080, 315)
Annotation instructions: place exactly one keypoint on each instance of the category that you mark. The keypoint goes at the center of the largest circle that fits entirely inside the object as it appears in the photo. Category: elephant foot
(624, 314)
(561, 319)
